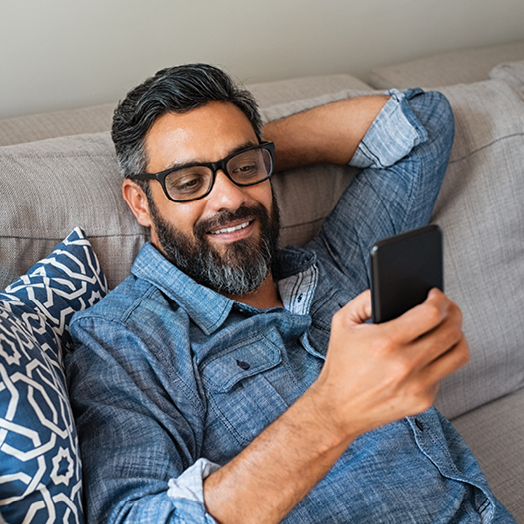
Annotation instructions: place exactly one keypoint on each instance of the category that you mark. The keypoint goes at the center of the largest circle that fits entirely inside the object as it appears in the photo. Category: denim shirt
(170, 380)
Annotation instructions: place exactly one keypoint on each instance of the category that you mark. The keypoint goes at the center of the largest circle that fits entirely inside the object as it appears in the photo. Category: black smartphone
(403, 269)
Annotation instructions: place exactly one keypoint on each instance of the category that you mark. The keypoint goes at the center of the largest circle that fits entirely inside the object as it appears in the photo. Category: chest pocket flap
(238, 362)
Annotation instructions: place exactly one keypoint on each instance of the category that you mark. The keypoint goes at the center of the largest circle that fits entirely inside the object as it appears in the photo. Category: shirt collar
(207, 308)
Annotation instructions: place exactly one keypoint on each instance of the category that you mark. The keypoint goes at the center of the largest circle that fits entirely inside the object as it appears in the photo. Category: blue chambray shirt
(171, 380)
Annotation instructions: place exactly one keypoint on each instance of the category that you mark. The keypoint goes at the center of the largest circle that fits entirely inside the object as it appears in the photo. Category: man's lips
(231, 227)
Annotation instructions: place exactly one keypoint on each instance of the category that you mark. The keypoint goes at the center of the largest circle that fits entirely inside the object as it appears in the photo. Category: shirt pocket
(241, 388)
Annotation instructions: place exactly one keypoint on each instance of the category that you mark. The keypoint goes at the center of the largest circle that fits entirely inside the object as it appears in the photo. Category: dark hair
(176, 89)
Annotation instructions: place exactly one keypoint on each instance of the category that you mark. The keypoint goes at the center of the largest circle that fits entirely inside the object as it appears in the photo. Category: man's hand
(379, 373)
(374, 374)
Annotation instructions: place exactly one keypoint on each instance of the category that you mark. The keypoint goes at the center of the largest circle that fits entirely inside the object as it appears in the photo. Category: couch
(66, 238)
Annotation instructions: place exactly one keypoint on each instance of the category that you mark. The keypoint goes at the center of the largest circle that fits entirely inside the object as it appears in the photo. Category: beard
(243, 265)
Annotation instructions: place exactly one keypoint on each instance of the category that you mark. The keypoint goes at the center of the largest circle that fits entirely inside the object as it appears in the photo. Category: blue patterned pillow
(40, 470)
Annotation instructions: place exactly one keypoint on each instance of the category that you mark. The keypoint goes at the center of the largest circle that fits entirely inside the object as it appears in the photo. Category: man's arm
(374, 374)
(329, 133)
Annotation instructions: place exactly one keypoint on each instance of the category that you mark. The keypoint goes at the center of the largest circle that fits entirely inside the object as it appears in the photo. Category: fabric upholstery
(495, 435)
(510, 72)
(98, 118)
(443, 69)
(40, 469)
(31, 128)
(480, 211)
(50, 187)
(284, 91)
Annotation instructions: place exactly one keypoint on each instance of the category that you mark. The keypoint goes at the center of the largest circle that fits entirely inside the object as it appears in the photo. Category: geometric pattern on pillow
(40, 468)
(68, 280)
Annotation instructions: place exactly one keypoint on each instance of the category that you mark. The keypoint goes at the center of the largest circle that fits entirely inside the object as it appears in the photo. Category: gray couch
(58, 171)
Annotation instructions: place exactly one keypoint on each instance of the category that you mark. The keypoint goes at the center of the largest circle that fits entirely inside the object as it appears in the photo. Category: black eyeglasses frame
(214, 167)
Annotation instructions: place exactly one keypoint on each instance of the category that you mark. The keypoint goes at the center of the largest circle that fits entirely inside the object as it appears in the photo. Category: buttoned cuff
(393, 134)
(190, 485)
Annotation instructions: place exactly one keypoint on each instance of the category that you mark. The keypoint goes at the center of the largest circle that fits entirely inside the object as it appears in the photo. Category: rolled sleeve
(190, 485)
(392, 135)
(403, 156)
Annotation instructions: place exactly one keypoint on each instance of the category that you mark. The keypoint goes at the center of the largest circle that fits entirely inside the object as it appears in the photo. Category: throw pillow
(40, 469)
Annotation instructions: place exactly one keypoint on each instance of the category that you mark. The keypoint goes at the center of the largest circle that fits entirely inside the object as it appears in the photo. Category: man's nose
(225, 193)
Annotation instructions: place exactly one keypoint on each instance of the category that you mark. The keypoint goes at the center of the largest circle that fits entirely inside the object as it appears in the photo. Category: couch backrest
(50, 187)
(443, 69)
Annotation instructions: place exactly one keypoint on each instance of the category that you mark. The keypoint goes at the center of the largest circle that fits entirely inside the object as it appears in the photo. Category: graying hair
(179, 90)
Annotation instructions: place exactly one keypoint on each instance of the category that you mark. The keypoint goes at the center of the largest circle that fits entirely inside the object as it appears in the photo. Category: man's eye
(246, 169)
(247, 166)
(185, 184)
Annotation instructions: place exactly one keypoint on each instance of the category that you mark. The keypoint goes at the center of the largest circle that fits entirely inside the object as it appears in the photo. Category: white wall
(67, 53)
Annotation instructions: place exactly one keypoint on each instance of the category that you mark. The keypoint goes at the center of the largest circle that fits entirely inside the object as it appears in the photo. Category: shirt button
(419, 424)
(243, 365)
(299, 299)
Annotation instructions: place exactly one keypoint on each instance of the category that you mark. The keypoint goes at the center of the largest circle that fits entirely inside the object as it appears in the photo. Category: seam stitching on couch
(60, 238)
(486, 146)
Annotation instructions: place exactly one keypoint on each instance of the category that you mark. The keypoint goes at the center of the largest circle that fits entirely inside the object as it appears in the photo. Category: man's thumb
(358, 310)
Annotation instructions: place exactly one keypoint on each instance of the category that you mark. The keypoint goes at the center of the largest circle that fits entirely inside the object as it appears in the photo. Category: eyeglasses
(194, 181)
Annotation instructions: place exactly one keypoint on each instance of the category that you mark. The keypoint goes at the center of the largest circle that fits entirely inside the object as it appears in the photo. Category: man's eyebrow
(196, 161)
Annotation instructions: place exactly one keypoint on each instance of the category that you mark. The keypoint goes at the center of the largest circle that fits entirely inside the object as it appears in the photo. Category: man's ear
(137, 200)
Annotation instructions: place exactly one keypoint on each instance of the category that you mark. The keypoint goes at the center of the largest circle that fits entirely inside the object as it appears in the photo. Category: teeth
(230, 229)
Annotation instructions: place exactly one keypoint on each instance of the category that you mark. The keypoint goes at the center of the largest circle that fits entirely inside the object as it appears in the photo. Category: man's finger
(421, 319)
(358, 310)
(448, 362)
(437, 342)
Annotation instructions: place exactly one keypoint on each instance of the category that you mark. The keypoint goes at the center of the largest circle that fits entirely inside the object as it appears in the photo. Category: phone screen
(403, 269)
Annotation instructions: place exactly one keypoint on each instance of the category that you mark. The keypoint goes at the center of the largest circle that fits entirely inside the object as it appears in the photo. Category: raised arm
(328, 133)
(372, 373)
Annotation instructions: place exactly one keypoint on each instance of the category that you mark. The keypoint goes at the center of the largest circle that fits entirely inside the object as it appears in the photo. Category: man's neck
(264, 297)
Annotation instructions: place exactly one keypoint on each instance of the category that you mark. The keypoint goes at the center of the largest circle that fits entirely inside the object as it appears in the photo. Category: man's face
(226, 240)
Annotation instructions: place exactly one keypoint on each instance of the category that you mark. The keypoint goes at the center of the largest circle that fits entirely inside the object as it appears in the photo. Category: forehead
(206, 134)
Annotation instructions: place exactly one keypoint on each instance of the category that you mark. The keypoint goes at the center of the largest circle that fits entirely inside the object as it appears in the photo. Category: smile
(230, 229)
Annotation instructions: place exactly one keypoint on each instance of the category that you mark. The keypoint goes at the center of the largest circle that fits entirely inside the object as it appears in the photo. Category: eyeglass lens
(246, 168)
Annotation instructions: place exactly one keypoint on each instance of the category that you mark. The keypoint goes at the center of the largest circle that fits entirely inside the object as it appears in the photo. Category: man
(228, 381)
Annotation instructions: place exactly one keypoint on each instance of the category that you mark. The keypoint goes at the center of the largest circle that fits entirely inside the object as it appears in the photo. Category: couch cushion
(511, 72)
(284, 91)
(494, 433)
(50, 187)
(40, 468)
(98, 118)
(464, 66)
(30, 128)
(480, 211)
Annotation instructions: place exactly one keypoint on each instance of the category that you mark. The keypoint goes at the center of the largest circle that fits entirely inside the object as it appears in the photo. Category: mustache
(225, 216)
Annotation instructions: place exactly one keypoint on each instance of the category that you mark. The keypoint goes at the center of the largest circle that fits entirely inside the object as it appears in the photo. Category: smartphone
(403, 269)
